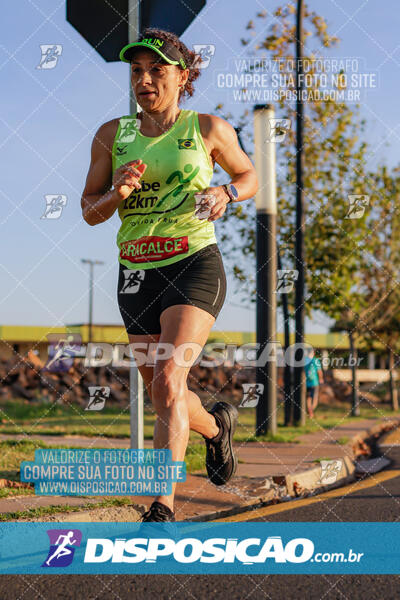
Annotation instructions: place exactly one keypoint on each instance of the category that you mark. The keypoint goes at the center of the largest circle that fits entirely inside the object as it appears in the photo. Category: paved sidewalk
(197, 496)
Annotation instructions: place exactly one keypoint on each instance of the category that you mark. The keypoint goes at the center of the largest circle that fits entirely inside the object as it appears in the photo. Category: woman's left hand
(215, 209)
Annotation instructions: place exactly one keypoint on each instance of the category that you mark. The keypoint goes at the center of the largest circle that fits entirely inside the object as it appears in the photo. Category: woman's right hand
(126, 178)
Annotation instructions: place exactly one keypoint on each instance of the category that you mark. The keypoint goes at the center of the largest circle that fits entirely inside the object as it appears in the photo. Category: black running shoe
(221, 461)
(158, 513)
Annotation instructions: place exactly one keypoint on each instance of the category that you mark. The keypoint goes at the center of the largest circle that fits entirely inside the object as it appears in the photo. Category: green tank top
(158, 223)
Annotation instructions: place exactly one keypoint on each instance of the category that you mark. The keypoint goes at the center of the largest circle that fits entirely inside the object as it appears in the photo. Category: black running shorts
(198, 280)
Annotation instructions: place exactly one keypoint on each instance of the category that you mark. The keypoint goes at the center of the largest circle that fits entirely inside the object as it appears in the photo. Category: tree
(334, 169)
(381, 277)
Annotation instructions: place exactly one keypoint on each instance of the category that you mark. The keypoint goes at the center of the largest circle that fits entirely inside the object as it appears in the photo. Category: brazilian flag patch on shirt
(187, 144)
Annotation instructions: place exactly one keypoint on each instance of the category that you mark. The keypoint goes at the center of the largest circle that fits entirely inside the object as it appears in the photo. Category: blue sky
(48, 119)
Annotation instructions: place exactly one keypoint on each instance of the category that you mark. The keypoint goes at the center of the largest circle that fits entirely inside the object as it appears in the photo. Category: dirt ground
(122, 514)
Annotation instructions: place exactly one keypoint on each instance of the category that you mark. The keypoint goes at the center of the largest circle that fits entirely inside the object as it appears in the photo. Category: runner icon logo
(132, 281)
(98, 396)
(358, 203)
(286, 280)
(50, 55)
(62, 350)
(251, 394)
(278, 129)
(204, 52)
(62, 550)
(203, 205)
(128, 130)
(54, 206)
(330, 470)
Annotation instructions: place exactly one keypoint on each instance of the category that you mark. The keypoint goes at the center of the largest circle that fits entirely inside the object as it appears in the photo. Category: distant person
(314, 377)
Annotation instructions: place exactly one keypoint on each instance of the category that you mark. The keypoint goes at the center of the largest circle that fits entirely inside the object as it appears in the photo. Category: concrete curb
(320, 478)
(367, 460)
(387, 448)
(392, 424)
(368, 444)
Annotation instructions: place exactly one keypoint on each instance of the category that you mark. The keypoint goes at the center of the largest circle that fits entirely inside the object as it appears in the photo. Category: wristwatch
(231, 191)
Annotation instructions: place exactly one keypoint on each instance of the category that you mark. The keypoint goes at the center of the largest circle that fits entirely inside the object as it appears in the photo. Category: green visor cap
(167, 51)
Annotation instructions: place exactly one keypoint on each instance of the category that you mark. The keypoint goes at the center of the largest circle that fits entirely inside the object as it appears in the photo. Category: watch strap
(228, 192)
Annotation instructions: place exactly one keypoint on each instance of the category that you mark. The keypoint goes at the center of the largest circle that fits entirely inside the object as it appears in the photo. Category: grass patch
(343, 440)
(326, 417)
(12, 453)
(52, 419)
(195, 458)
(22, 417)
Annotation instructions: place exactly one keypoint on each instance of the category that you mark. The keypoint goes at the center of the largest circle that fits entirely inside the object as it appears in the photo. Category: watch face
(233, 191)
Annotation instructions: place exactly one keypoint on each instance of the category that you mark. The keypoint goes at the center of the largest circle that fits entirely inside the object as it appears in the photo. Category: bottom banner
(215, 548)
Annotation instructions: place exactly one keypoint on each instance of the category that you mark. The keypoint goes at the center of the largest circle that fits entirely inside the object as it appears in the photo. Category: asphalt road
(370, 500)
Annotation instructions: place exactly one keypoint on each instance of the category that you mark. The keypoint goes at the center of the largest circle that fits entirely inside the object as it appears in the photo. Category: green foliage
(334, 168)
(380, 321)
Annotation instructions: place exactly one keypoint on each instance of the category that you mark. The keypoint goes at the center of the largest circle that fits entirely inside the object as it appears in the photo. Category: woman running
(155, 168)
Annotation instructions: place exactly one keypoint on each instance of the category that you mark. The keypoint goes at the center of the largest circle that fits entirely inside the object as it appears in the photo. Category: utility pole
(287, 371)
(287, 377)
(264, 150)
(299, 375)
(91, 264)
(133, 34)
(136, 398)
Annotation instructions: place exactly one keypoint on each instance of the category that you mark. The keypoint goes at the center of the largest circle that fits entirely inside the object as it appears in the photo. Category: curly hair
(192, 60)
